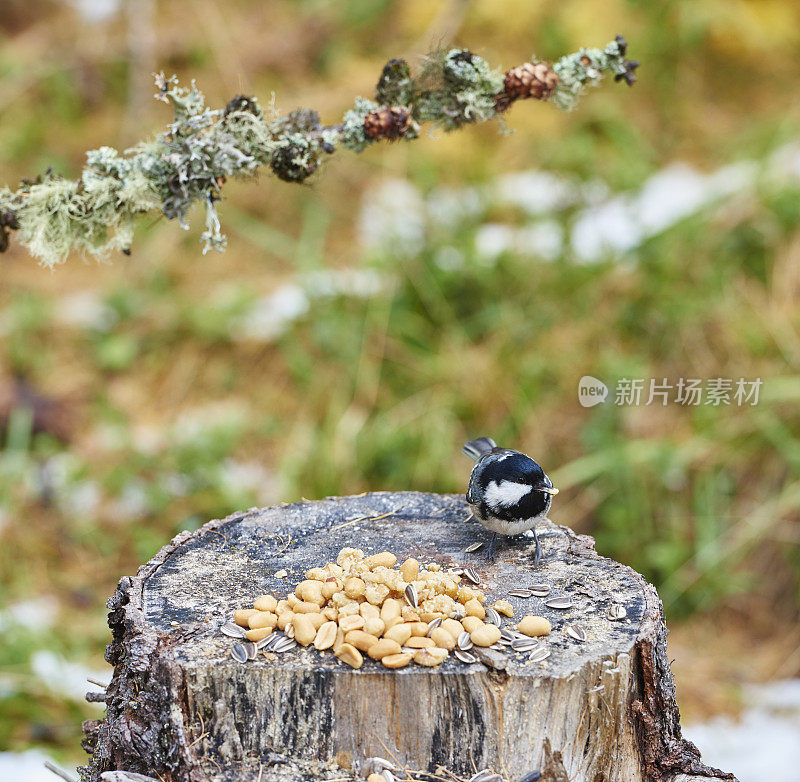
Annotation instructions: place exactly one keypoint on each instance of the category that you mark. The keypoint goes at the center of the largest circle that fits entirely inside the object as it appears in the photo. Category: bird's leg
(490, 552)
(537, 554)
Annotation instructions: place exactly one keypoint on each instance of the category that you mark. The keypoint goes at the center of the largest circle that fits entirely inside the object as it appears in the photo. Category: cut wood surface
(180, 708)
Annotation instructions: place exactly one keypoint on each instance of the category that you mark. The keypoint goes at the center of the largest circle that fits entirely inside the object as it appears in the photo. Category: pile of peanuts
(360, 605)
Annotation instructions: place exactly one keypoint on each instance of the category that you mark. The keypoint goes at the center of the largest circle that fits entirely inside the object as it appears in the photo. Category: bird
(508, 491)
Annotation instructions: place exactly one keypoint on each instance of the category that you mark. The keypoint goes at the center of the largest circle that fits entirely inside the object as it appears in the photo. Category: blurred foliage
(170, 407)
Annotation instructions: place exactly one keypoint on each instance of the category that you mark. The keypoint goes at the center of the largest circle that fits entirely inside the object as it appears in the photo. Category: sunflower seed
(411, 596)
(576, 631)
(284, 645)
(251, 650)
(239, 653)
(562, 601)
(265, 643)
(464, 657)
(492, 617)
(538, 655)
(524, 646)
(433, 624)
(473, 547)
(471, 575)
(464, 641)
(506, 634)
(519, 593)
(232, 630)
(539, 590)
(617, 612)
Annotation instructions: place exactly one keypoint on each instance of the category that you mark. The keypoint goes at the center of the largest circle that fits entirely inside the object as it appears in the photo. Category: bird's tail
(480, 447)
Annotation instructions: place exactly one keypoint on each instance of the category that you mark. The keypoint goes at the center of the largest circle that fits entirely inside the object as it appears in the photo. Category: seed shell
(471, 575)
(576, 632)
(526, 645)
(538, 655)
(250, 650)
(539, 590)
(463, 656)
(506, 634)
(520, 593)
(433, 624)
(232, 630)
(239, 653)
(617, 612)
(265, 643)
(562, 601)
(464, 641)
(492, 617)
(284, 644)
(473, 547)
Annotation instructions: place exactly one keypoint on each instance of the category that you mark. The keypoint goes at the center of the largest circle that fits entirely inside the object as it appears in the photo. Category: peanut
(326, 636)
(430, 657)
(350, 655)
(360, 639)
(534, 625)
(241, 615)
(396, 660)
(382, 648)
(304, 631)
(266, 603)
(485, 636)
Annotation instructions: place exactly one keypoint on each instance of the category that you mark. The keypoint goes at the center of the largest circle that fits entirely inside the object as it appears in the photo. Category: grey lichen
(586, 67)
(352, 133)
(456, 89)
(202, 147)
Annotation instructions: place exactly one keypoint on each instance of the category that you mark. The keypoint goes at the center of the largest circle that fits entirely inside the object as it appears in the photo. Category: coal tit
(508, 491)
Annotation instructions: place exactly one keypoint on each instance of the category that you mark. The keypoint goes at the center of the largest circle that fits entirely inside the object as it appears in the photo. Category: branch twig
(203, 147)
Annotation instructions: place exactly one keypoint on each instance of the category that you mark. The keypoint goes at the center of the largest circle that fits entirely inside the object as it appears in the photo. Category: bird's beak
(551, 490)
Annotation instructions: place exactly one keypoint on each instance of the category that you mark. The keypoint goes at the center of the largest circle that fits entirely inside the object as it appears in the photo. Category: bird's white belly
(509, 527)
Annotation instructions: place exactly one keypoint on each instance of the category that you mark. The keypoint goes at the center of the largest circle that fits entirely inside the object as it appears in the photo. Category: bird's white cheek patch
(505, 493)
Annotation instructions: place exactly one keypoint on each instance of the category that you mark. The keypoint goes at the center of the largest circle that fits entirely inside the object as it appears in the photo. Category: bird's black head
(511, 485)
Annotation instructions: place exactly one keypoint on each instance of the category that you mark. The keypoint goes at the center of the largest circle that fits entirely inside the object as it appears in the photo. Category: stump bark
(180, 708)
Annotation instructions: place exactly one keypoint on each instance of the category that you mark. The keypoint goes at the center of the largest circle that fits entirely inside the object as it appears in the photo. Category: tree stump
(180, 708)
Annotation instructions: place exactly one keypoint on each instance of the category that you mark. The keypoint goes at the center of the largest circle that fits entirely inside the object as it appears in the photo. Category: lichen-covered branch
(202, 147)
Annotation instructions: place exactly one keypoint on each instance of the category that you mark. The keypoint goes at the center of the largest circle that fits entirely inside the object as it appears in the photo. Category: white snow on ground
(273, 314)
(395, 215)
(623, 222)
(36, 614)
(762, 746)
(28, 767)
(63, 677)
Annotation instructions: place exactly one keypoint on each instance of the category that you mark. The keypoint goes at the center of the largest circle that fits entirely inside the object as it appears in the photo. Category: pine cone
(531, 80)
(390, 123)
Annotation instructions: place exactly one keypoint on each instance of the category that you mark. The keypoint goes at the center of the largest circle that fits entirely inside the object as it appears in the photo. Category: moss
(201, 148)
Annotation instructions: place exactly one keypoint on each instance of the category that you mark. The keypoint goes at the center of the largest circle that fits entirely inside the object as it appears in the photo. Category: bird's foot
(491, 549)
(537, 553)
